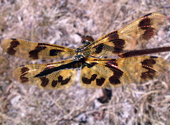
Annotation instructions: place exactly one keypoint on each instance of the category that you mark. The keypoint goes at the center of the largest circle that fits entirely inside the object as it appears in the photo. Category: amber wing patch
(136, 33)
(31, 50)
(60, 79)
(110, 73)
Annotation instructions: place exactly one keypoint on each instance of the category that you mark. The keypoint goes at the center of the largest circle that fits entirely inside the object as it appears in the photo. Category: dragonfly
(94, 58)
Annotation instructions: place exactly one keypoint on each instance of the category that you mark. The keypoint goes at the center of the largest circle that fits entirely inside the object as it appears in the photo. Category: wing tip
(5, 43)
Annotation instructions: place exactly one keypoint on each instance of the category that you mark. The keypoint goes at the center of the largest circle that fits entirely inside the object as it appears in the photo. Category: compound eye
(87, 40)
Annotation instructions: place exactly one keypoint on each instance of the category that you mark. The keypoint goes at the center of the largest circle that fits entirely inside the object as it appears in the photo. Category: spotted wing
(54, 77)
(31, 50)
(137, 32)
(110, 73)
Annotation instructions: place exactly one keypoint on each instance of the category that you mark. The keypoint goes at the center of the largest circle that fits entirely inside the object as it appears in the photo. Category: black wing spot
(117, 74)
(88, 81)
(54, 83)
(148, 64)
(24, 79)
(14, 43)
(34, 53)
(99, 48)
(24, 69)
(54, 52)
(145, 23)
(113, 35)
(100, 81)
(44, 81)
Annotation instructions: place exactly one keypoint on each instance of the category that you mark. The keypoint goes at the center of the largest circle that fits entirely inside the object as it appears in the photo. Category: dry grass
(58, 22)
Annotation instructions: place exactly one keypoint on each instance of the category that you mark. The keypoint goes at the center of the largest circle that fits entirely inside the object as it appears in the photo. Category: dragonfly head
(86, 40)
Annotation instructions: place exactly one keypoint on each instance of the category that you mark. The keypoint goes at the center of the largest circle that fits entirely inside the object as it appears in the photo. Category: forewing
(31, 50)
(137, 32)
(110, 73)
(60, 79)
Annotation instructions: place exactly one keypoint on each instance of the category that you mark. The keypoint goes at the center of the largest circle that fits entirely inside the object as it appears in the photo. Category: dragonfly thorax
(79, 54)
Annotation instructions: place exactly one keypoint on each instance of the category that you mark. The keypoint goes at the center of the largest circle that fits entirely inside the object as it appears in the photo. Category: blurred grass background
(58, 22)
